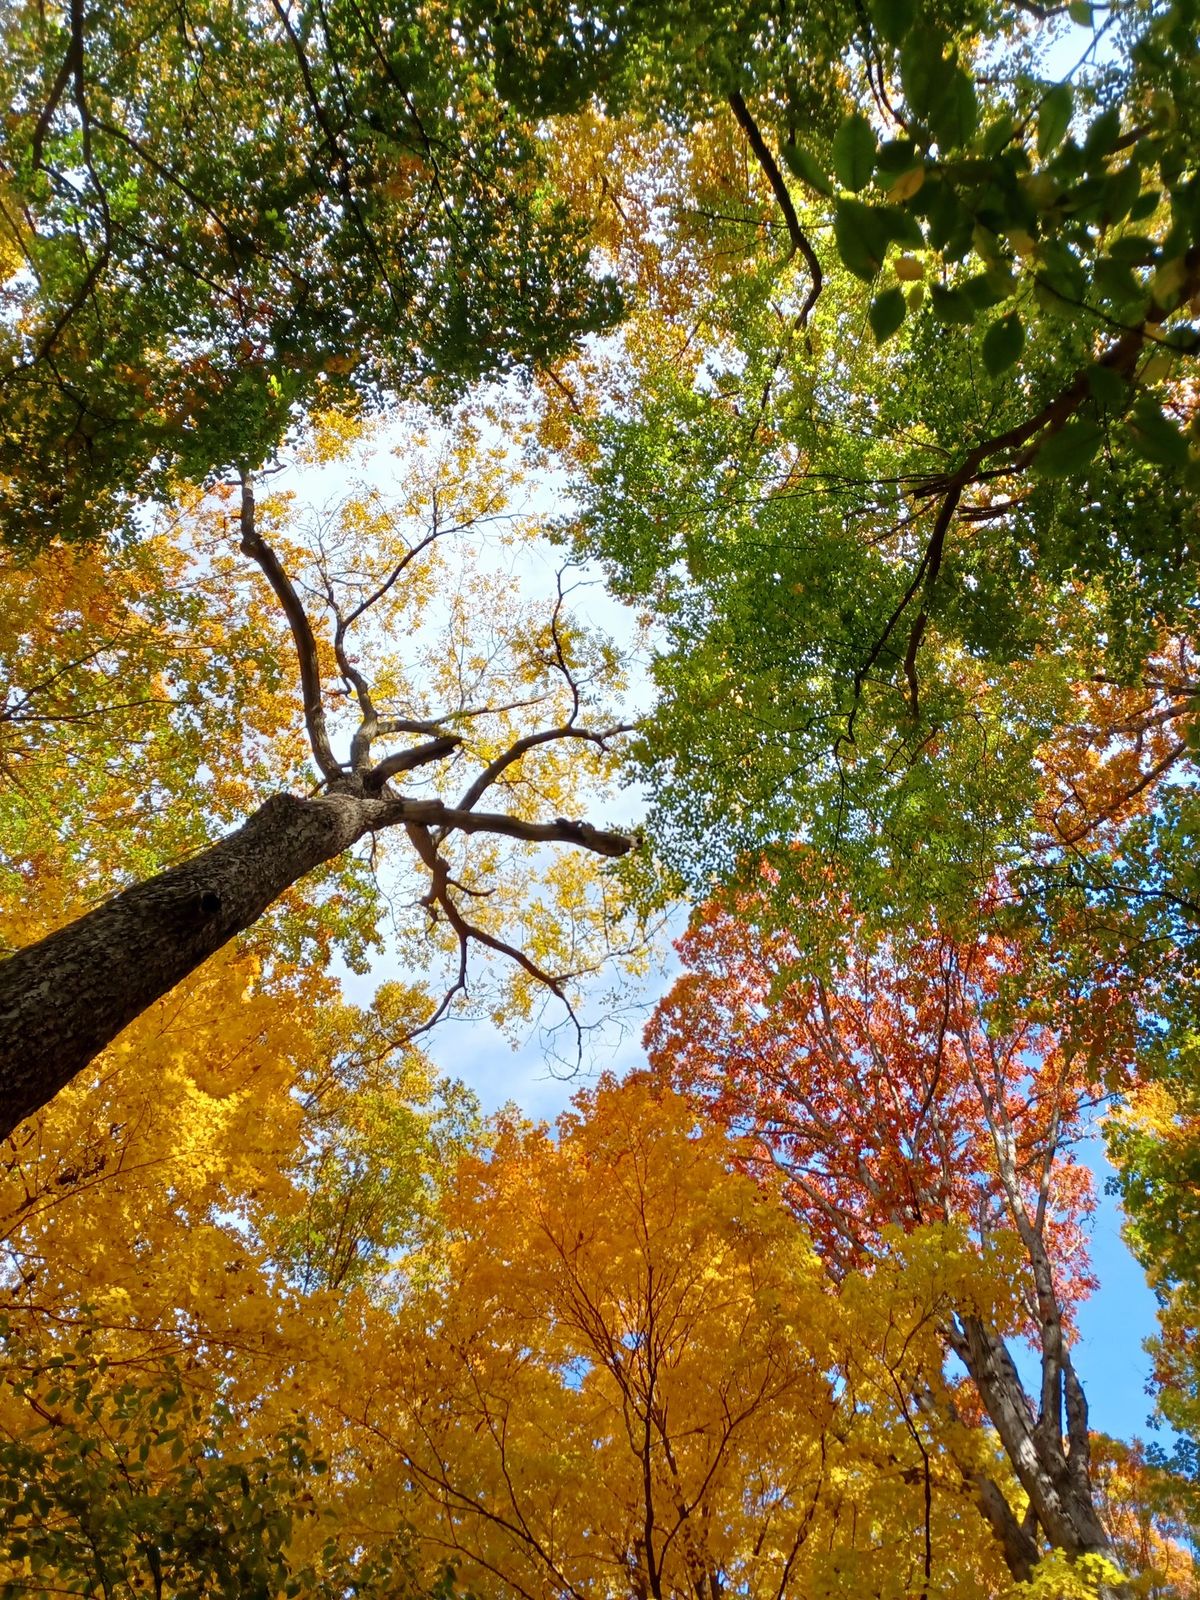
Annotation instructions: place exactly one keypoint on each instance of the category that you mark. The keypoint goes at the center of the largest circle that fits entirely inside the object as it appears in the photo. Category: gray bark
(1056, 1480)
(63, 999)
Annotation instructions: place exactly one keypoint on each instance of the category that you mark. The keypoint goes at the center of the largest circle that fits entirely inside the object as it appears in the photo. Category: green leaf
(802, 164)
(1120, 190)
(1115, 280)
(955, 116)
(862, 235)
(1134, 247)
(922, 65)
(1068, 450)
(982, 292)
(1054, 118)
(1003, 343)
(854, 147)
(998, 133)
(900, 226)
(940, 92)
(1062, 271)
(886, 314)
(1108, 387)
(892, 19)
(951, 305)
(895, 156)
(1155, 437)
(1103, 135)
(1080, 13)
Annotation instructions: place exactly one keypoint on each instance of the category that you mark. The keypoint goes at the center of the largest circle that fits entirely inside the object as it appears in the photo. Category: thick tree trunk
(1056, 1481)
(63, 999)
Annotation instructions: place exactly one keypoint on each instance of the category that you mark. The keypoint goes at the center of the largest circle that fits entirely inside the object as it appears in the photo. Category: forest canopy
(348, 350)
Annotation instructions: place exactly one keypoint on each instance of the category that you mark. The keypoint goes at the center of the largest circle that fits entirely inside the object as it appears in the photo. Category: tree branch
(1028, 438)
(779, 189)
(256, 547)
(521, 747)
(405, 760)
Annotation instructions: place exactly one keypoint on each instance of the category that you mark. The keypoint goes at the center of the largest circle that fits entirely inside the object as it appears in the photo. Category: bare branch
(405, 760)
(256, 547)
(451, 819)
(434, 726)
(521, 747)
(779, 189)
(65, 73)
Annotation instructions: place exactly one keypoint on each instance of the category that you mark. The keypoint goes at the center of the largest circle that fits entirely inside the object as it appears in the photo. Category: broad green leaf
(895, 156)
(886, 314)
(1080, 13)
(955, 115)
(1054, 118)
(1155, 437)
(854, 152)
(1121, 191)
(951, 305)
(1003, 343)
(892, 18)
(1069, 450)
(997, 134)
(1115, 280)
(1103, 134)
(1108, 387)
(804, 165)
(922, 70)
(982, 292)
(862, 235)
(1062, 270)
(1133, 247)
(940, 92)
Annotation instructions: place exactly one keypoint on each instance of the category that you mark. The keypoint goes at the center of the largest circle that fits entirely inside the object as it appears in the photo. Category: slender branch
(779, 189)
(521, 747)
(256, 547)
(65, 73)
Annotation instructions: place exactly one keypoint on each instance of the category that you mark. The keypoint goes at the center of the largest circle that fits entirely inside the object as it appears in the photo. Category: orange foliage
(905, 1088)
(1105, 763)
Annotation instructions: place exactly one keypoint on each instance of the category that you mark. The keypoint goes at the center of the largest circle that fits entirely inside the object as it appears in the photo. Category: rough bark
(66, 997)
(1057, 1482)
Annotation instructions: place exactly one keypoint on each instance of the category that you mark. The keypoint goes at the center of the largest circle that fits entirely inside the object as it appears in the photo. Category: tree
(126, 1488)
(198, 257)
(634, 1374)
(890, 493)
(934, 1081)
(354, 214)
(69, 994)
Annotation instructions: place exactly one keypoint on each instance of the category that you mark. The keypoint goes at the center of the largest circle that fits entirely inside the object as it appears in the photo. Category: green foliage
(176, 304)
(1003, 343)
(127, 1486)
(854, 152)
(1025, 252)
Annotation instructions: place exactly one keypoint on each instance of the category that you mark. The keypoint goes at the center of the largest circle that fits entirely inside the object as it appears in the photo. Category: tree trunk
(66, 997)
(1059, 1491)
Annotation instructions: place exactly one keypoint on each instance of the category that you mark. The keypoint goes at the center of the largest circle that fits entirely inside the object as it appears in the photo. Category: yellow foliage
(634, 1372)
